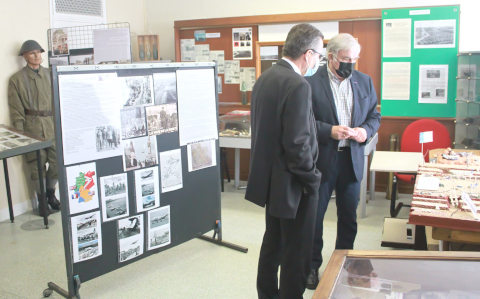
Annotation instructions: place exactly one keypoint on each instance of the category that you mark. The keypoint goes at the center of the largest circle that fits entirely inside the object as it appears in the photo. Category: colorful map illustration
(82, 188)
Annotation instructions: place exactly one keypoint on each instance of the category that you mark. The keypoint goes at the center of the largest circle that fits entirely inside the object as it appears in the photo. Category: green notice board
(431, 44)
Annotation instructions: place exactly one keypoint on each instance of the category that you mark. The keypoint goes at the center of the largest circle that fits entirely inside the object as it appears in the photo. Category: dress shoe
(312, 280)
(41, 209)
(52, 199)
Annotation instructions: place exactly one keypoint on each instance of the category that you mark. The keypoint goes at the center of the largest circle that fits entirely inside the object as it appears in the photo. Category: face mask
(345, 69)
(311, 72)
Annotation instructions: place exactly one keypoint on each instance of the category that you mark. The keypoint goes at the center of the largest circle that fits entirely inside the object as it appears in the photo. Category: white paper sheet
(82, 188)
(435, 34)
(86, 236)
(219, 84)
(114, 189)
(112, 45)
(242, 43)
(219, 56)
(397, 37)
(269, 53)
(187, 49)
(171, 170)
(433, 84)
(232, 72)
(147, 192)
(130, 237)
(428, 183)
(197, 108)
(159, 227)
(90, 130)
(247, 75)
(396, 81)
(202, 53)
(201, 155)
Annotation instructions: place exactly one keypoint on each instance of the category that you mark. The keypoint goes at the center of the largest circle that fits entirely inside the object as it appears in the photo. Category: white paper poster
(171, 170)
(112, 45)
(89, 128)
(114, 189)
(232, 72)
(202, 53)
(247, 75)
(433, 85)
(187, 49)
(269, 53)
(201, 155)
(197, 107)
(82, 188)
(159, 227)
(86, 236)
(397, 37)
(396, 81)
(242, 43)
(219, 56)
(130, 238)
(435, 34)
(147, 193)
(139, 152)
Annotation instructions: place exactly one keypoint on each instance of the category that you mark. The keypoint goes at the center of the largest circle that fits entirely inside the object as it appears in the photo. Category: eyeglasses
(347, 59)
(320, 56)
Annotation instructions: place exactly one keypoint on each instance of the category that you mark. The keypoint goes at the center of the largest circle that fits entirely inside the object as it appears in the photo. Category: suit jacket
(364, 115)
(284, 145)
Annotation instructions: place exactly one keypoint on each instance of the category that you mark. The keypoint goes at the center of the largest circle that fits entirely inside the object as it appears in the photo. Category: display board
(110, 183)
(419, 61)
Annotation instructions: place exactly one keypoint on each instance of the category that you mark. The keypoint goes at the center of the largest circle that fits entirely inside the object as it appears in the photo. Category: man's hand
(342, 132)
(361, 135)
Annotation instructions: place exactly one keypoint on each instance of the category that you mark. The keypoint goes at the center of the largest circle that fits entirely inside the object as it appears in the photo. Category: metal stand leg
(52, 287)
(43, 197)
(9, 194)
(219, 241)
(237, 167)
(440, 245)
(362, 207)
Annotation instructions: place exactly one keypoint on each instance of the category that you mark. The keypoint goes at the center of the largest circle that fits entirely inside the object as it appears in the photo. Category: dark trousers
(287, 243)
(347, 191)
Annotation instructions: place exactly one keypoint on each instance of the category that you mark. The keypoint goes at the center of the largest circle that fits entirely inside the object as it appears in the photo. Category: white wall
(160, 14)
(274, 33)
(30, 19)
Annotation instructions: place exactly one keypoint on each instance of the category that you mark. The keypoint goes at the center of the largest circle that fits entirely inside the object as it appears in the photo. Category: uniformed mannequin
(30, 102)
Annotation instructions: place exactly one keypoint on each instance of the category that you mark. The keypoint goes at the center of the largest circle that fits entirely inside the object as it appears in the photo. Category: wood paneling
(230, 92)
(369, 34)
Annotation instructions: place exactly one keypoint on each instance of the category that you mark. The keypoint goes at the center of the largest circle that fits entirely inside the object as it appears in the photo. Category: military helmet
(30, 45)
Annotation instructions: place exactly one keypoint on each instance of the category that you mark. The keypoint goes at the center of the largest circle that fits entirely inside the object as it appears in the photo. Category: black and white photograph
(171, 166)
(2, 148)
(162, 119)
(26, 141)
(107, 138)
(5, 133)
(159, 227)
(158, 217)
(201, 155)
(139, 152)
(165, 85)
(130, 227)
(147, 192)
(219, 84)
(440, 93)
(130, 248)
(14, 137)
(61, 60)
(59, 42)
(425, 94)
(114, 190)
(133, 122)
(137, 90)
(242, 54)
(433, 73)
(435, 34)
(81, 59)
(10, 144)
(86, 236)
(3, 139)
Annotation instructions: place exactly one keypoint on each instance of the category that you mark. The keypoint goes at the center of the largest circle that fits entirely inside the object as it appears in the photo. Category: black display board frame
(195, 209)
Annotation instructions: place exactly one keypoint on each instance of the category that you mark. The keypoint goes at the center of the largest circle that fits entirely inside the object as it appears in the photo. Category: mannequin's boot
(40, 209)
(52, 199)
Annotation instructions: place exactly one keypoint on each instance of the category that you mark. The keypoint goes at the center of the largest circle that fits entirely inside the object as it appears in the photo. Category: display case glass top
(235, 124)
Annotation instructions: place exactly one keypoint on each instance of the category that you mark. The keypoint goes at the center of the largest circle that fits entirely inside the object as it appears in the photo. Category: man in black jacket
(283, 175)
(345, 108)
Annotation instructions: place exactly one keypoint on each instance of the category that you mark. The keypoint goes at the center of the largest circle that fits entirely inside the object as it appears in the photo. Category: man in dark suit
(283, 176)
(345, 108)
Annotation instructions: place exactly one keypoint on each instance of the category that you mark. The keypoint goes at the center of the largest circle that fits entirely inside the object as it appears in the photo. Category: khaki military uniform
(34, 117)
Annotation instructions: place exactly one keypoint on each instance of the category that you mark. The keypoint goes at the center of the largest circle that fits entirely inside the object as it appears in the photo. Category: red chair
(410, 143)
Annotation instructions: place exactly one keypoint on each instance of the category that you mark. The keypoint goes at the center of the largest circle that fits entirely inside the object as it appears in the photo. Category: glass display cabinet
(235, 125)
(467, 122)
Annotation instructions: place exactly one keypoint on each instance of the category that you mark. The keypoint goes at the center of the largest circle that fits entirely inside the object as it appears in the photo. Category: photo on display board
(107, 138)
(162, 119)
(133, 122)
(435, 34)
(114, 191)
(137, 90)
(159, 227)
(81, 59)
(201, 155)
(130, 238)
(147, 191)
(82, 188)
(139, 152)
(171, 170)
(59, 42)
(86, 236)
(165, 85)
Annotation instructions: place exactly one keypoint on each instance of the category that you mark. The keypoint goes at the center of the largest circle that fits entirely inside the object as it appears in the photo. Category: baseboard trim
(18, 209)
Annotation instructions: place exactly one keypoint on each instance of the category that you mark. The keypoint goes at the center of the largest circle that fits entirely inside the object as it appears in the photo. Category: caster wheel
(47, 293)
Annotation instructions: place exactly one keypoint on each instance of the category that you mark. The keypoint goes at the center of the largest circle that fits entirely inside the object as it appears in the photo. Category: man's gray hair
(342, 41)
(300, 39)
